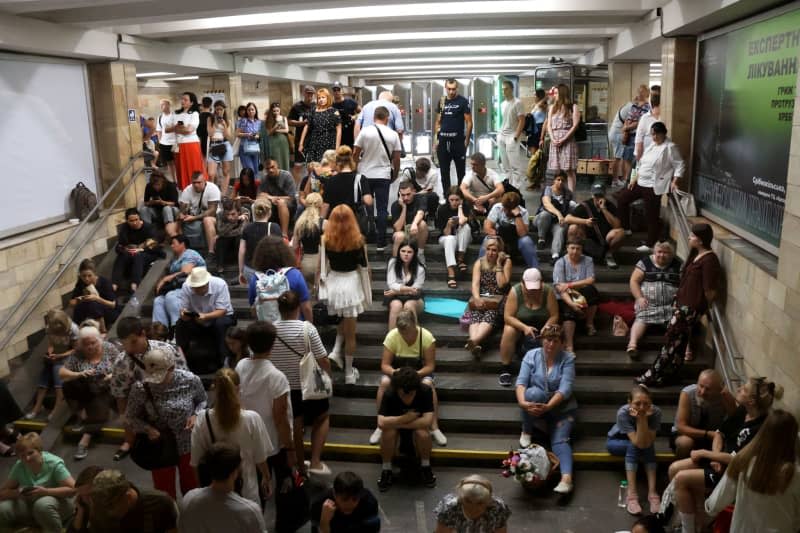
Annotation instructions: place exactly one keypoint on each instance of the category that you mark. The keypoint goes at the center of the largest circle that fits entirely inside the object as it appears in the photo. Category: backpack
(269, 286)
(83, 201)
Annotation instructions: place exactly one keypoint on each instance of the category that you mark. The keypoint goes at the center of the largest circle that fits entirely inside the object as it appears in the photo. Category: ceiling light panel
(423, 50)
(456, 66)
(154, 74)
(447, 59)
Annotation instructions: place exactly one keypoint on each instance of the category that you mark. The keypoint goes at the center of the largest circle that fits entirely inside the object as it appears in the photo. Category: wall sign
(132, 116)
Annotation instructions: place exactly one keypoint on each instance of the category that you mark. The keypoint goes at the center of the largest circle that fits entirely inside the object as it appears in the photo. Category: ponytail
(228, 408)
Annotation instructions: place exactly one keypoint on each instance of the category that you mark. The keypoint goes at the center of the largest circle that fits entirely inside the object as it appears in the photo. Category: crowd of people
(301, 251)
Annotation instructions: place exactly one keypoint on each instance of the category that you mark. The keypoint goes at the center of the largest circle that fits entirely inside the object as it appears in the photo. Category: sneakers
(352, 378)
(428, 479)
(30, 416)
(386, 480)
(81, 453)
(633, 353)
(643, 249)
(380, 248)
(336, 358)
(375, 438)
(505, 379)
(563, 488)
(524, 440)
(438, 437)
(611, 262)
(211, 262)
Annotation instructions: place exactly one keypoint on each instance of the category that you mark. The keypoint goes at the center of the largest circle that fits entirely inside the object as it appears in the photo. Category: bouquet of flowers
(530, 466)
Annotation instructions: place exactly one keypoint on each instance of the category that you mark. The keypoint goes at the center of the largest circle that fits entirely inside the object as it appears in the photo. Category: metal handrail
(730, 359)
(12, 331)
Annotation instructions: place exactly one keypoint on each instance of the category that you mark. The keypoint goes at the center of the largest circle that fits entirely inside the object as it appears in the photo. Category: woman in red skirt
(189, 158)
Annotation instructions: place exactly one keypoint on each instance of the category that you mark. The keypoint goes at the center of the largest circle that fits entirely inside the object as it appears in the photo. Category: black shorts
(310, 410)
(710, 476)
(165, 153)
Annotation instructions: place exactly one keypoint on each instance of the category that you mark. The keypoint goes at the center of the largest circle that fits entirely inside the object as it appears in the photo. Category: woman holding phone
(189, 157)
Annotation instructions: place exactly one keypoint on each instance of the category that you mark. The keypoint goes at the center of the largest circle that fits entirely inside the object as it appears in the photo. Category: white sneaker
(524, 439)
(438, 437)
(643, 249)
(375, 438)
(628, 232)
(336, 358)
(352, 378)
(563, 488)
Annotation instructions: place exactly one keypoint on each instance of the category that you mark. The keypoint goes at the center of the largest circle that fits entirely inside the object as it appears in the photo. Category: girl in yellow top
(409, 345)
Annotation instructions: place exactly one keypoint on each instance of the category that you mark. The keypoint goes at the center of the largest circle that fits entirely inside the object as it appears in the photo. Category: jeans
(455, 243)
(164, 478)
(525, 246)
(47, 512)
(249, 161)
(380, 192)
(544, 223)
(166, 214)
(512, 157)
(557, 424)
(621, 446)
(451, 150)
(167, 308)
(49, 377)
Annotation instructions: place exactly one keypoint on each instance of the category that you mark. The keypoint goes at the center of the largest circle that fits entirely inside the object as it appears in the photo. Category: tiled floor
(409, 509)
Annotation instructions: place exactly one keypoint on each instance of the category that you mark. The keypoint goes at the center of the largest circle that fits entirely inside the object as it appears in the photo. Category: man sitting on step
(406, 412)
(408, 215)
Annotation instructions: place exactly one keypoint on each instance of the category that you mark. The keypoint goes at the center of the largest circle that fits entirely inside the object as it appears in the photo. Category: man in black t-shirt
(452, 132)
(597, 221)
(161, 203)
(348, 109)
(298, 117)
(408, 216)
(347, 508)
(407, 408)
(202, 127)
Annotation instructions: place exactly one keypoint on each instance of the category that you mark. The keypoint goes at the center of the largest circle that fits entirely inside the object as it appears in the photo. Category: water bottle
(135, 305)
(623, 494)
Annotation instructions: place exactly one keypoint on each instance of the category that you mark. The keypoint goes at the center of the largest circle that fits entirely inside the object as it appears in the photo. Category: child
(633, 437)
(62, 333)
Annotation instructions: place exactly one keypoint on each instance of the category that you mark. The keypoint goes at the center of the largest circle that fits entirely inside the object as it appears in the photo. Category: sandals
(474, 349)
(462, 267)
(451, 282)
(633, 506)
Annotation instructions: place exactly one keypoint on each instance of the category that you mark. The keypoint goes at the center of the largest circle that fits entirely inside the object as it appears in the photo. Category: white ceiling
(382, 39)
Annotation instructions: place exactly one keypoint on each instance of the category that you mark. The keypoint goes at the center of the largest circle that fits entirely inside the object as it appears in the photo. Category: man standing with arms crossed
(511, 154)
(298, 117)
(348, 109)
(452, 132)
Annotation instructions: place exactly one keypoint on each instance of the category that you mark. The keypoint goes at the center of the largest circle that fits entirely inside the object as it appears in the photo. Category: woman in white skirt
(341, 286)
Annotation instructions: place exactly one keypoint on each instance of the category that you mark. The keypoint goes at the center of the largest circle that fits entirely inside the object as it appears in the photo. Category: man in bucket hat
(205, 308)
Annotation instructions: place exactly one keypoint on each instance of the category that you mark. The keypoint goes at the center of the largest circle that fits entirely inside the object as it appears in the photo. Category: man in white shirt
(218, 507)
(643, 136)
(658, 172)
(377, 155)
(481, 187)
(511, 153)
(198, 204)
(166, 140)
(205, 304)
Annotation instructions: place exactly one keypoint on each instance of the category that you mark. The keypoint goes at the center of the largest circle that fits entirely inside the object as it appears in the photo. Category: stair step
(471, 386)
(477, 417)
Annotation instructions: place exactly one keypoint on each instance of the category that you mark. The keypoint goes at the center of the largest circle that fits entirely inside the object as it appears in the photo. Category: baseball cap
(532, 279)
(156, 365)
(336, 85)
(198, 278)
(107, 488)
(308, 89)
(598, 189)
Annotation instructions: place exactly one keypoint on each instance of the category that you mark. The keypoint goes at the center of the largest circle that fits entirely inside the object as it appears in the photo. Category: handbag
(315, 383)
(322, 290)
(578, 299)
(204, 471)
(366, 222)
(687, 203)
(154, 454)
(619, 328)
(173, 284)
(251, 147)
(218, 150)
(490, 303)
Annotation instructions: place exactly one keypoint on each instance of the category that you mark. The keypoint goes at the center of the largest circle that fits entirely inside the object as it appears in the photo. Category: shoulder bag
(364, 278)
(322, 290)
(204, 471)
(154, 454)
(364, 214)
(392, 173)
(315, 383)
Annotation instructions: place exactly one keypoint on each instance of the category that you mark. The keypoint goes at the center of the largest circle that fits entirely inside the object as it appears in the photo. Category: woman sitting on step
(573, 279)
(405, 276)
(409, 345)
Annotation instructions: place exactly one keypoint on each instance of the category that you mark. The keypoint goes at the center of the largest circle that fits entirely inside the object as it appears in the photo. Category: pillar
(623, 79)
(114, 92)
(678, 62)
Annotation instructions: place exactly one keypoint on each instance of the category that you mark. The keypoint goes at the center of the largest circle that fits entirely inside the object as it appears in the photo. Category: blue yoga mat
(449, 307)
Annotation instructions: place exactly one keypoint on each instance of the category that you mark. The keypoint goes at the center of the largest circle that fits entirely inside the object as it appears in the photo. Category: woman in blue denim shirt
(544, 393)
(247, 129)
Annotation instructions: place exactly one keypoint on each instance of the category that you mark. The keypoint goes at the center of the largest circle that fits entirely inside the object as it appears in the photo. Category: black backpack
(83, 201)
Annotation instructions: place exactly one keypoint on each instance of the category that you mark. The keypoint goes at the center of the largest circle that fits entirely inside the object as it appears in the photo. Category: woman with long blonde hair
(764, 480)
(307, 236)
(562, 121)
(345, 252)
(228, 422)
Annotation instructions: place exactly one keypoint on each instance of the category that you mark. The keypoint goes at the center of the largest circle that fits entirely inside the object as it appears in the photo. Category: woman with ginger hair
(343, 252)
